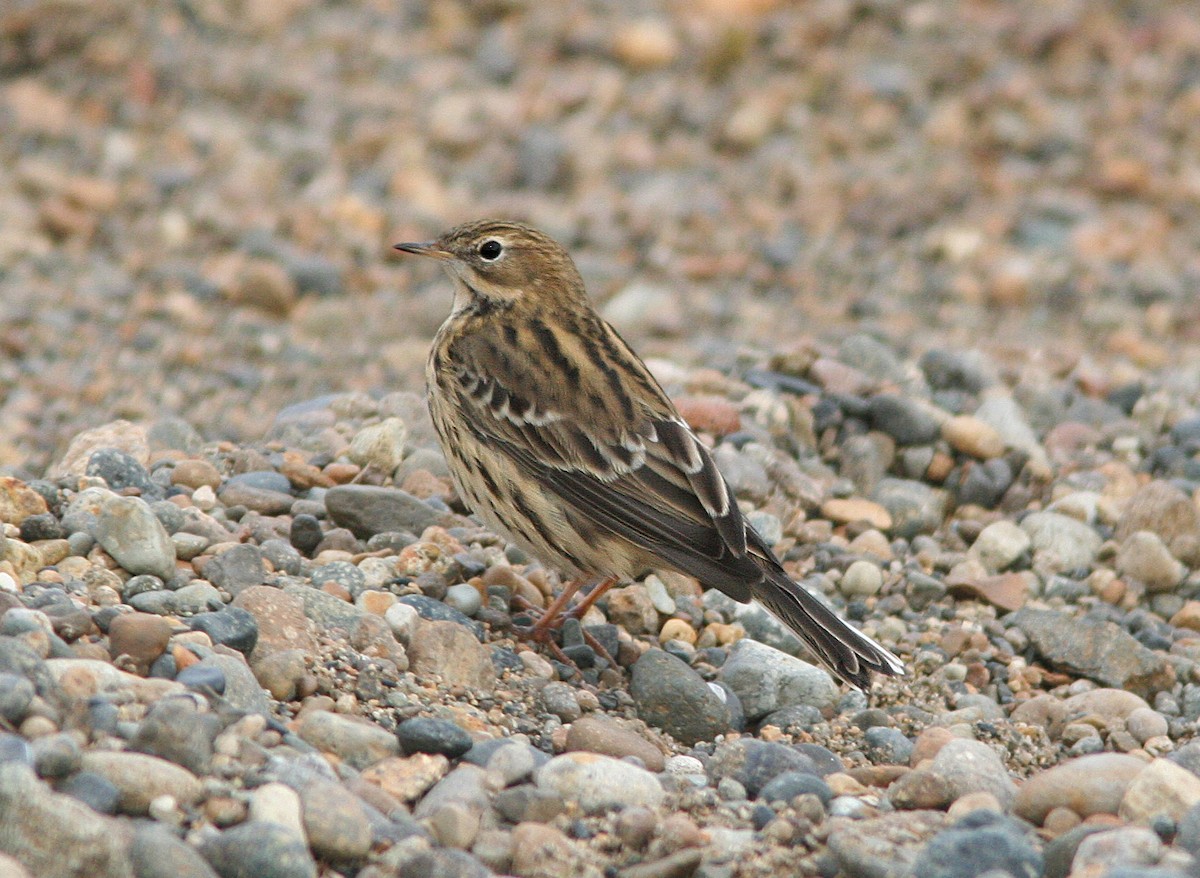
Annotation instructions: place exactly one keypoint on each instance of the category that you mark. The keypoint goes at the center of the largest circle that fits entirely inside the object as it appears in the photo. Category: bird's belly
(519, 509)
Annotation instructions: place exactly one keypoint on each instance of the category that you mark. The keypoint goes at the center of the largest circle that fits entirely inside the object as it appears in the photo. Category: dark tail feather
(848, 652)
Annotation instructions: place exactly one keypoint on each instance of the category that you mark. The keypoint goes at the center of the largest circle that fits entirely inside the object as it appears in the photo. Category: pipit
(559, 437)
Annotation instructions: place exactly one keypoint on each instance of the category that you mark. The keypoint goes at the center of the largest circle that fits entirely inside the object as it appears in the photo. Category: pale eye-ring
(490, 250)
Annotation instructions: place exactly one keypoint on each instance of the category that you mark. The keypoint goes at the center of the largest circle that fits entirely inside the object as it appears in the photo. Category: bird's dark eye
(490, 250)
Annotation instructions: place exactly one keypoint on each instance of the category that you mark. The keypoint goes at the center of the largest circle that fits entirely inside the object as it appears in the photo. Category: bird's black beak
(428, 248)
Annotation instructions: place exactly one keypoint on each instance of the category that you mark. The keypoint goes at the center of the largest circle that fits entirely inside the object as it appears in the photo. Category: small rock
(282, 625)
(972, 436)
(129, 531)
(234, 627)
(981, 843)
(425, 735)
(766, 680)
(407, 779)
(673, 697)
(357, 741)
(1162, 788)
(236, 569)
(972, 766)
(157, 853)
(607, 736)
(999, 545)
(141, 779)
(367, 510)
(1144, 557)
(1062, 543)
(380, 445)
(754, 763)
(265, 850)
(451, 652)
(1096, 649)
(1088, 785)
(599, 783)
(140, 636)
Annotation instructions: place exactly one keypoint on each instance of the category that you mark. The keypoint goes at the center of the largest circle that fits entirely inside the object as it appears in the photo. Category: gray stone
(324, 609)
(264, 850)
(671, 696)
(178, 730)
(766, 680)
(599, 783)
(157, 853)
(1100, 650)
(367, 510)
(1061, 542)
(242, 690)
(129, 530)
(56, 836)
(974, 767)
(915, 507)
(236, 569)
(754, 763)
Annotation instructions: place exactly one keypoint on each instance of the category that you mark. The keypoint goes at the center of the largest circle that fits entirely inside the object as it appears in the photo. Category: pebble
(464, 598)
(234, 627)
(980, 843)
(609, 737)
(426, 735)
(754, 763)
(55, 834)
(155, 852)
(861, 579)
(359, 742)
(671, 696)
(367, 510)
(1161, 789)
(259, 848)
(130, 532)
(974, 767)
(407, 779)
(766, 680)
(140, 779)
(1000, 544)
(449, 651)
(1061, 543)
(1096, 649)
(1145, 558)
(1088, 785)
(599, 783)
(236, 569)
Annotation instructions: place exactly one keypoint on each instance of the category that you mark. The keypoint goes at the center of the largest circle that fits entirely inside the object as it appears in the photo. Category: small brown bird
(561, 439)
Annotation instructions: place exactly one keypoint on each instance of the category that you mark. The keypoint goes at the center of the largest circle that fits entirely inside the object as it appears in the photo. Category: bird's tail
(848, 652)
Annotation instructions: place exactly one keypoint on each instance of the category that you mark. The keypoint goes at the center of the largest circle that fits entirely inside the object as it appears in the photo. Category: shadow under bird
(559, 437)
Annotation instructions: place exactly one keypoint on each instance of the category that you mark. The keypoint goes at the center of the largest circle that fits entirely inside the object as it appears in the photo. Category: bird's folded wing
(646, 478)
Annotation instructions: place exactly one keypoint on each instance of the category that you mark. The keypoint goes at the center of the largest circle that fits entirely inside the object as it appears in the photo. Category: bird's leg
(555, 616)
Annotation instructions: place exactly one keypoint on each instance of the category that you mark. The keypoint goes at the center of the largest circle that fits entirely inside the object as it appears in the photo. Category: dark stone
(983, 841)
(121, 471)
(94, 790)
(305, 533)
(261, 849)
(754, 763)
(435, 611)
(176, 730)
(426, 735)
(43, 526)
(233, 627)
(673, 697)
(367, 510)
(785, 787)
(203, 678)
(904, 419)
(236, 569)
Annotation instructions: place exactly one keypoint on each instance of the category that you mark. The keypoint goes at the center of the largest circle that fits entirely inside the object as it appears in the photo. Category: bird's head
(501, 263)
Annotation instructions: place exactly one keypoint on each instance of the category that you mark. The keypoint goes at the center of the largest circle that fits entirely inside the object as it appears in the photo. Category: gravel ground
(922, 273)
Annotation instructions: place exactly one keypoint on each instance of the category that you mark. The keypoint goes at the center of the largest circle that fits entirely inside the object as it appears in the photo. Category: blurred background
(198, 197)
